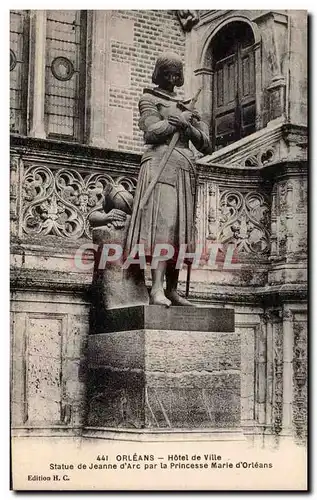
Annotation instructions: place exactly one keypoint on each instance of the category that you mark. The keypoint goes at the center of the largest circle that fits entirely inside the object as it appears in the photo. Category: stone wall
(49, 332)
(136, 39)
(49, 362)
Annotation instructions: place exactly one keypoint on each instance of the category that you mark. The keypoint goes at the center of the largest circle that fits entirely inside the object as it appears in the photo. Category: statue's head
(168, 70)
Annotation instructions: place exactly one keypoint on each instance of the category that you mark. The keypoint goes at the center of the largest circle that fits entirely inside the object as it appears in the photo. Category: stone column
(269, 370)
(37, 71)
(298, 98)
(192, 54)
(15, 167)
(205, 80)
(276, 88)
(262, 347)
(98, 78)
(288, 342)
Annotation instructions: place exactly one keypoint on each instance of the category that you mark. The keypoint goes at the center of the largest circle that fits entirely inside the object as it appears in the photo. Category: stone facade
(252, 193)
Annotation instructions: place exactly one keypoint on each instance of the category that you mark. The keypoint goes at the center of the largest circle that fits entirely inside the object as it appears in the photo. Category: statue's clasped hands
(183, 120)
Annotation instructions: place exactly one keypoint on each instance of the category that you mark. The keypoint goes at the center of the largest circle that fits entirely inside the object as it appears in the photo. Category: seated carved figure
(117, 204)
(114, 286)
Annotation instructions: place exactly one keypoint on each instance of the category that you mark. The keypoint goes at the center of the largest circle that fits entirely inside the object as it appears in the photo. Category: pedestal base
(160, 374)
(164, 435)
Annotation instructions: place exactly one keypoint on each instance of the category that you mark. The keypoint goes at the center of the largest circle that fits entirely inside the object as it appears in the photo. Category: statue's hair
(167, 61)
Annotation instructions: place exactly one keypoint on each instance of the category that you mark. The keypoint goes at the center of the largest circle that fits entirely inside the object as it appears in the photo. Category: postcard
(158, 217)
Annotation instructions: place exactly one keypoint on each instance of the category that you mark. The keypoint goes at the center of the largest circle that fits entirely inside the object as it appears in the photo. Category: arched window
(234, 108)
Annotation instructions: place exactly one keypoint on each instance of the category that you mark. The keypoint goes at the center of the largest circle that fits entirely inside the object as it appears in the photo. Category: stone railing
(257, 206)
(56, 186)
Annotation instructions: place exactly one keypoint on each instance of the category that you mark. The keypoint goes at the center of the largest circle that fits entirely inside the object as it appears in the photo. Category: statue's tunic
(168, 215)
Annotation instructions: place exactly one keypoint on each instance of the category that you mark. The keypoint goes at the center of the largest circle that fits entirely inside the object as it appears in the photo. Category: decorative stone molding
(61, 214)
(281, 219)
(271, 145)
(256, 150)
(283, 215)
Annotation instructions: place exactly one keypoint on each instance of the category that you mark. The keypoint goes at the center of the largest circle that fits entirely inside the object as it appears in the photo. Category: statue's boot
(158, 298)
(177, 300)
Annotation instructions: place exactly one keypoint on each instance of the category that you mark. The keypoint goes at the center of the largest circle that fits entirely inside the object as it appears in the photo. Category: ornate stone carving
(198, 214)
(243, 220)
(14, 167)
(259, 159)
(212, 213)
(300, 379)
(281, 218)
(278, 379)
(59, 202)
(272, 316)
(302, 197)
(187, 18)
(273, 222)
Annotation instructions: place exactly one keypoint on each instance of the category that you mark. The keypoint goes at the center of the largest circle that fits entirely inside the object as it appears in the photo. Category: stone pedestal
(158, 368)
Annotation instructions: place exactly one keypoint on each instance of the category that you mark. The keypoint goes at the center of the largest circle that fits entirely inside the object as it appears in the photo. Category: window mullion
(37, 83)
(82, 77)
